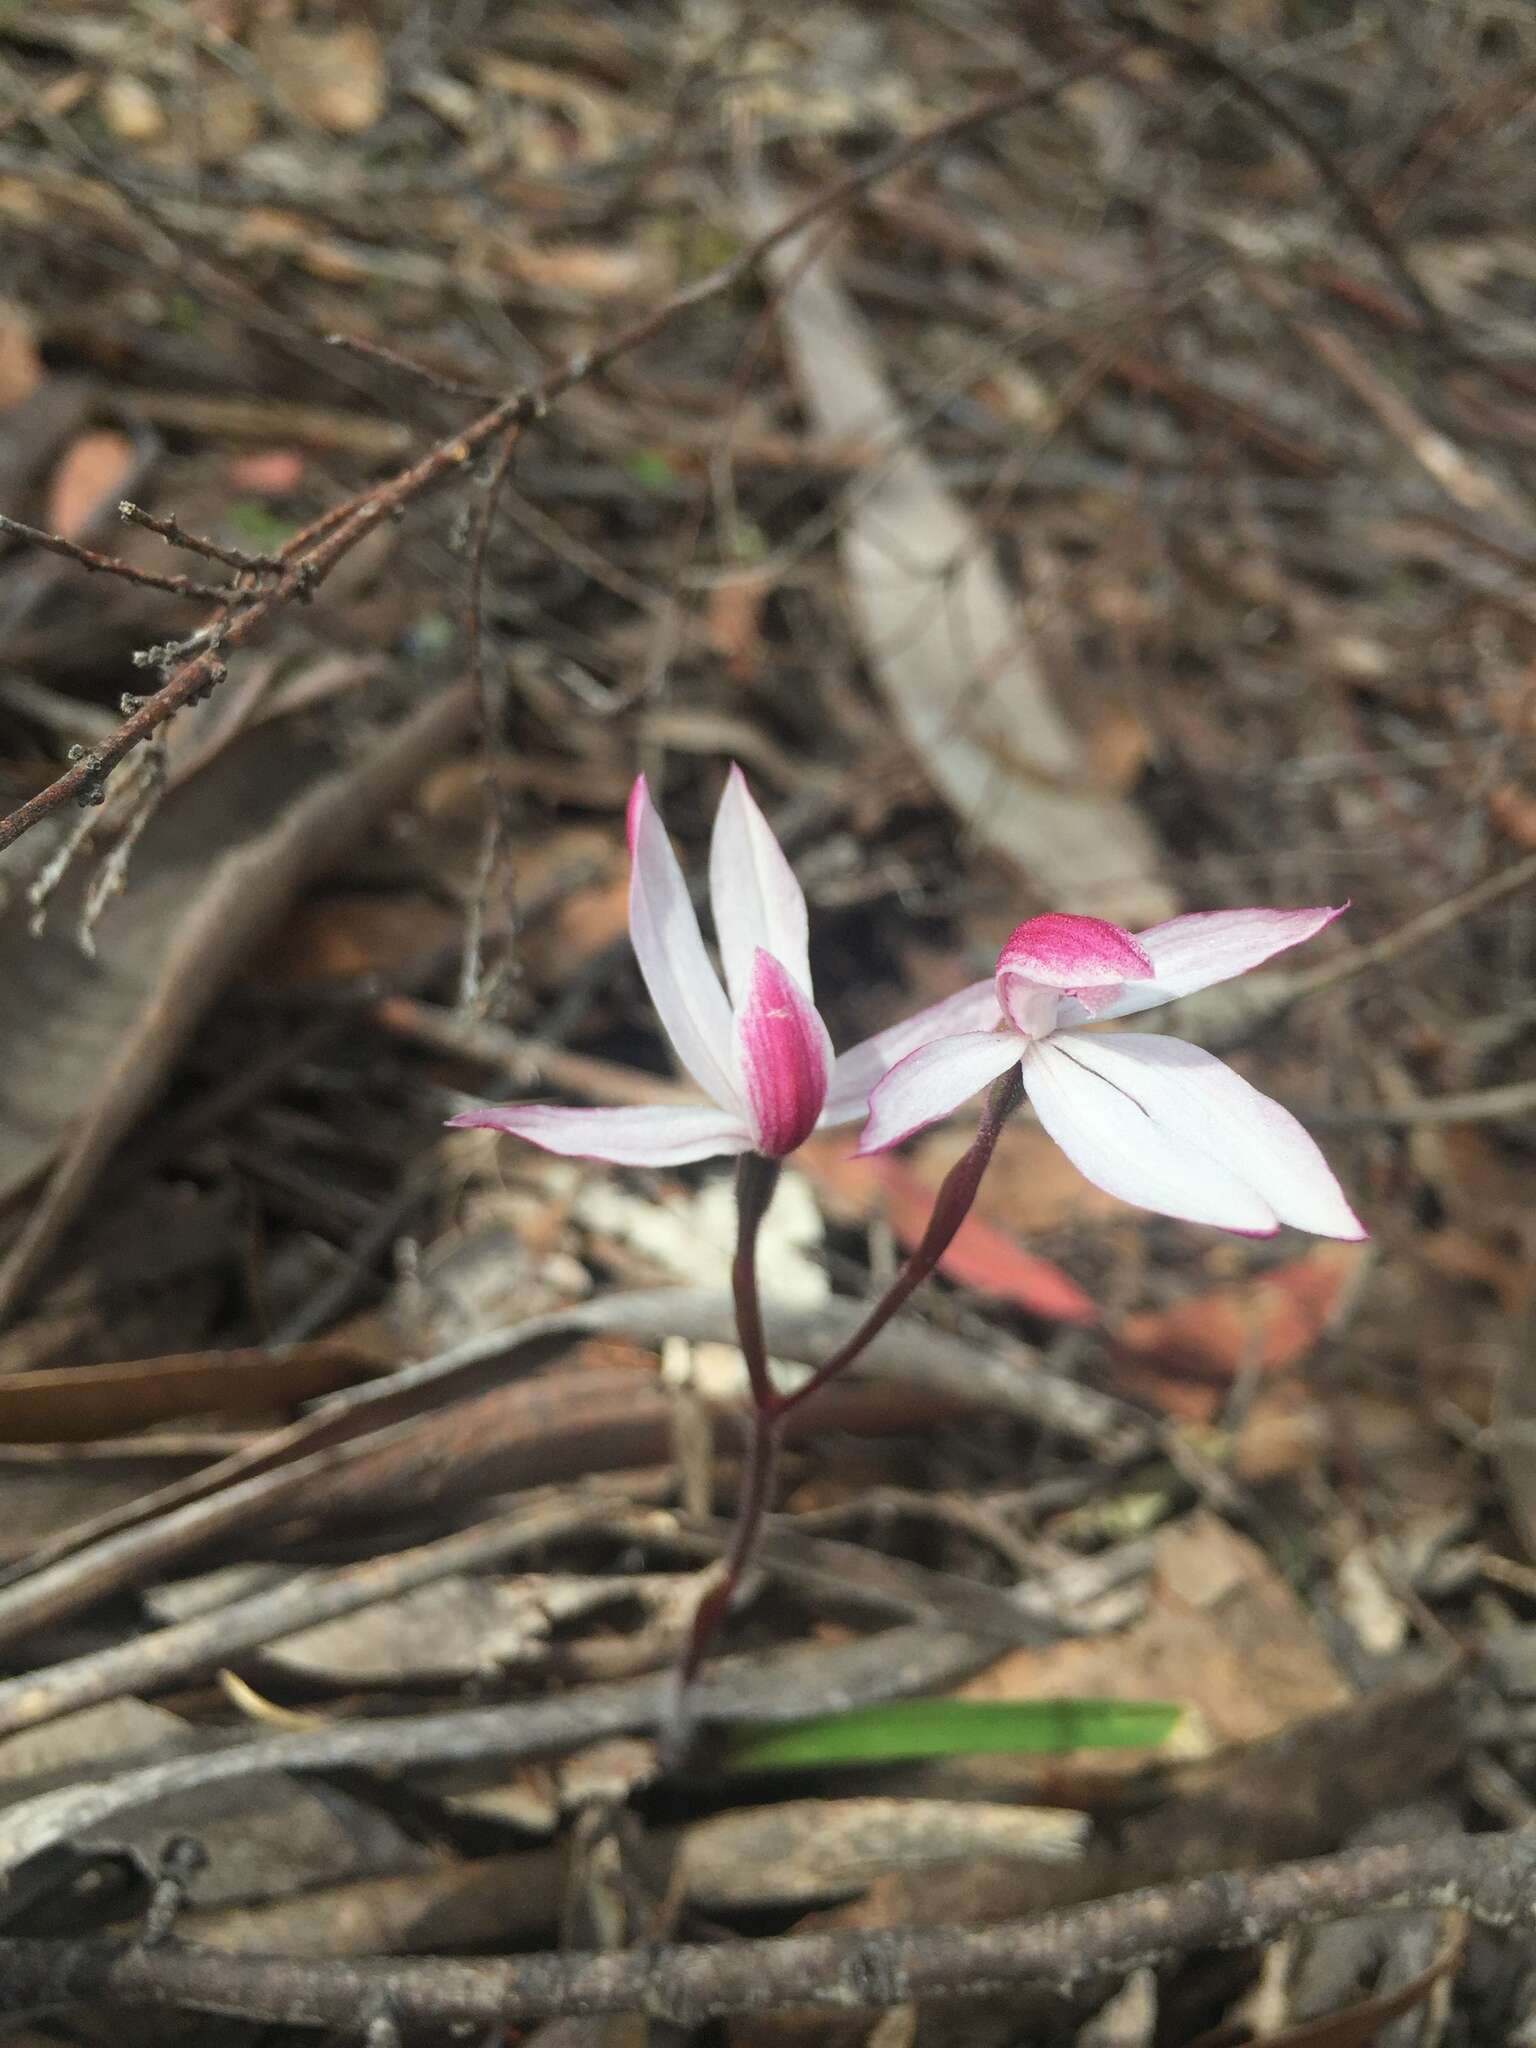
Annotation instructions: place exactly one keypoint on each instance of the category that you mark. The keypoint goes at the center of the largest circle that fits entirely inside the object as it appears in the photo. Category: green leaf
(905, 1730)
(652, 472)
(259, 526)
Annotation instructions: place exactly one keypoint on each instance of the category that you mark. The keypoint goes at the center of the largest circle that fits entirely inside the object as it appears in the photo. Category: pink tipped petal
(639, 798)
(932, 1081)
(673, 1136)
(1064, 951)
(785, 1057)
(1194, 952)
(1113, 1142)
(1190, 1092)
(858, 1072)
(753, 894)
(665, 934)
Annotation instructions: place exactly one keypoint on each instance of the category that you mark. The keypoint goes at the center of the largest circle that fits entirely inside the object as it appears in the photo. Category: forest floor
(1071, 458)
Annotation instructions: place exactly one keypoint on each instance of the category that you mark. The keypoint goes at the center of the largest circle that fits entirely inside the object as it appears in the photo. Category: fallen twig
(783, 1686)
(309, 557)
(1490, 1877)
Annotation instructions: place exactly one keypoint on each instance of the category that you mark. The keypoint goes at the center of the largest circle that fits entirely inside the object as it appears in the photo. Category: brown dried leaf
(1224, 1635)
(90, 1041)
(21, 369)
(75, 1404)
(480, 1905)
(339, 937)
(264, 1841)
(1265, 1325)
(941, 634)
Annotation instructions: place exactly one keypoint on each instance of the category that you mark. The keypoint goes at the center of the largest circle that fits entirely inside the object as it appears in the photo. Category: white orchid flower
(756, 1047)
(1153, 1120)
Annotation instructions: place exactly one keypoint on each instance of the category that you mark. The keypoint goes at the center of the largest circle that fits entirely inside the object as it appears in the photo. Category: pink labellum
(1067, 952)
(1061, 957)
(785, 1058)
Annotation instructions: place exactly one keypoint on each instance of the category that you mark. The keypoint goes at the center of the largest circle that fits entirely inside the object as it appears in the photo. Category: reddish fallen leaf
(1264, 1324)
(734, 624)
(981, 1256)
(337, 937)
(89, 474)
(21, 370)
(1513, 810)
(272, 472)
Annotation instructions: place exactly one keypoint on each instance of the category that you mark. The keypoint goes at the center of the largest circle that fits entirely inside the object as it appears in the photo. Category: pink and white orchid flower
(1153, 1120)
(760, 1053)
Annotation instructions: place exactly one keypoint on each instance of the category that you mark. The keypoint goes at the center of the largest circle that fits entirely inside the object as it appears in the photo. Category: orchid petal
(665, 934)
(785, 1057)
(859, 1071)
(932, 1081)
(1188, 1091)
(1061, 950)
(1113, 1142)
(753, 895)
(673, 1135)
(1194, 952)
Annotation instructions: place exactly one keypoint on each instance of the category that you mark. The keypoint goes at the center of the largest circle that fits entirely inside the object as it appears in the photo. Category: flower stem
(751, 1506)
(951, 1206)
(756, 1179)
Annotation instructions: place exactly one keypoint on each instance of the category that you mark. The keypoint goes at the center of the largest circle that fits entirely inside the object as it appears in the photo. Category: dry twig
(1490, 1877)
(309, 557)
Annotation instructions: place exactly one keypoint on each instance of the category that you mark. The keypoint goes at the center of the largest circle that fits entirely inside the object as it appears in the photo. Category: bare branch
(176, 534)
(1490, 1877)
(111, 565)
(309, 557)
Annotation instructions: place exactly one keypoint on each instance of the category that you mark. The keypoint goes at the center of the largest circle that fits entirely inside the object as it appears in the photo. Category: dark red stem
(951, 1206)
(756, 1180)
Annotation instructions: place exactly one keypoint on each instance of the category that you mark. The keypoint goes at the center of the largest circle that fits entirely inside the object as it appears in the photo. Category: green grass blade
(903, 1731)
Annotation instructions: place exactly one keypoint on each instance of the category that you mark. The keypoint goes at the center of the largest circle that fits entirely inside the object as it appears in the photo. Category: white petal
(859, 1071)
(665, 934)
(1113, 1142)
(754, 898)
(1190, 953)
(1188, 1091)
(670, 1136)
(932, 1081)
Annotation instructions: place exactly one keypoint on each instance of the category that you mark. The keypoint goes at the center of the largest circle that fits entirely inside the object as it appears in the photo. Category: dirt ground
(1075, 457)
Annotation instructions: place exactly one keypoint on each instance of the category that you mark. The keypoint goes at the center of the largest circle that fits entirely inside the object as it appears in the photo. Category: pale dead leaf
(587, 270)
(806, 1850)
(130, 109)
(940, 632)
(89, 1041)
(332, 77)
